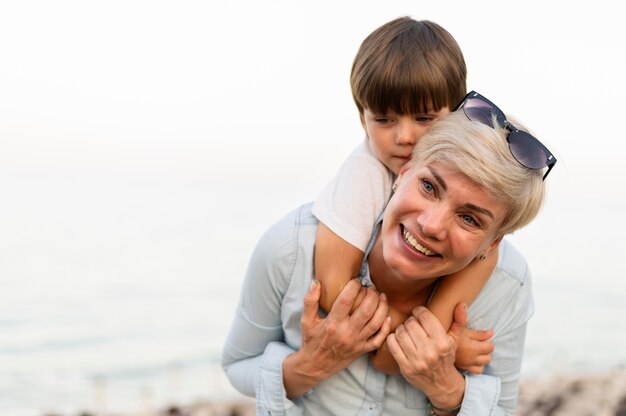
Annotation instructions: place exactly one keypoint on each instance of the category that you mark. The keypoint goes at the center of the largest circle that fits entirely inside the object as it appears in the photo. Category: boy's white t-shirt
(351, 203)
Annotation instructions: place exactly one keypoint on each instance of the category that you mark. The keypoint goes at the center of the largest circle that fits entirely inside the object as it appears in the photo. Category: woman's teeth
(411, 240)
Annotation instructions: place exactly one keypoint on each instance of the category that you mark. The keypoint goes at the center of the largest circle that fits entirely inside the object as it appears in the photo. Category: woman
(473, 178)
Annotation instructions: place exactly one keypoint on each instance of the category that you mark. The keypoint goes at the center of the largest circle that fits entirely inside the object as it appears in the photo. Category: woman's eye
(468, 219)
(428, 186)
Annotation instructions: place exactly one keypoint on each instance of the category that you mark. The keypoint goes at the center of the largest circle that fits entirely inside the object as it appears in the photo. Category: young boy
(405, 75)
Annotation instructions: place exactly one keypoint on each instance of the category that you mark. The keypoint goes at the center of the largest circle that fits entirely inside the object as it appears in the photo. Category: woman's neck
(403, 294)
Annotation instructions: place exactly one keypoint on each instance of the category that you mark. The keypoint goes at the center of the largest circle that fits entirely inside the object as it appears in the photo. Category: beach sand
(602, 394)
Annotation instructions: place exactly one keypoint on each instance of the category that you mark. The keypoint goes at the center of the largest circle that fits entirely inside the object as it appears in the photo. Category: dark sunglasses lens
(527, 150)
(482, 112)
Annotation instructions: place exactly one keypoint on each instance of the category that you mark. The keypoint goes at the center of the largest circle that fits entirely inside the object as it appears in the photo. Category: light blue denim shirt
(266, 329)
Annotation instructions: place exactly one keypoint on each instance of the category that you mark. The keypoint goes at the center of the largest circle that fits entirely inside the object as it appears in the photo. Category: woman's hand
(382, 360)
(332, 343)
(474, 350)
(426, 353)
(473, 353)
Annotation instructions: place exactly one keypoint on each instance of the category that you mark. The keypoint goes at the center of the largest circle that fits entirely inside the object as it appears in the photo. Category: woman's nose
(433, 224)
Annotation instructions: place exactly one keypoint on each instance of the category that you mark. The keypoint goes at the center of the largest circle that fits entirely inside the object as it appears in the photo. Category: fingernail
(383, 297)
(313, 286)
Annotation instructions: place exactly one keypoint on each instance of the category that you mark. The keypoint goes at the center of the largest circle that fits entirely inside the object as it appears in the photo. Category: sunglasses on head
(525, 148)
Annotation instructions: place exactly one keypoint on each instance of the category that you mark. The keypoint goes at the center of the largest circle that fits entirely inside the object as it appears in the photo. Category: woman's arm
(256, 346)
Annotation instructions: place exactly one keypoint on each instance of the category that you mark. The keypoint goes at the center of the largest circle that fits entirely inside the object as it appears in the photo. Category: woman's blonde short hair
(482, 154)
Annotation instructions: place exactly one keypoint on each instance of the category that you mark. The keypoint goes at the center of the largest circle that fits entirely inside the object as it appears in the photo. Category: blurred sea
(145, 146)
(118, 293)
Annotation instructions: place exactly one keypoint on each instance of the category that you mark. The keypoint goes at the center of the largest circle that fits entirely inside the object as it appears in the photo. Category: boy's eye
(383, 120)
(424, 119)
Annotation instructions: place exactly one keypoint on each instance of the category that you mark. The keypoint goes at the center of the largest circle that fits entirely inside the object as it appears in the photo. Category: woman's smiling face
(437, 222)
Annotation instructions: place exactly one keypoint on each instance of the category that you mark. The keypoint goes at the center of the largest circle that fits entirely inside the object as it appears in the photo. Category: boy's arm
(336, 262)
(462, 286)
(349, 206)
(474, 349)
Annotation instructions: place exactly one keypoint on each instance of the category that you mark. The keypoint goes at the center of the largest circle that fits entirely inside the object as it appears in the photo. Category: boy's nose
(406, 135)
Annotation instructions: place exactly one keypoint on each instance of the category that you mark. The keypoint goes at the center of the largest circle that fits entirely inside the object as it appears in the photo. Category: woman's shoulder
(283, 251)
(506, 300)
(511, 263)
(286, 237)
(299, 217)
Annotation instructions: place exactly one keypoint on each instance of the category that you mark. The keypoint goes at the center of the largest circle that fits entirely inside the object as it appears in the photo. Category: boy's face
(394, 136)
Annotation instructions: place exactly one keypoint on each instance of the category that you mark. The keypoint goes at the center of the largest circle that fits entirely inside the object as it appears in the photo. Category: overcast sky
(251, 102)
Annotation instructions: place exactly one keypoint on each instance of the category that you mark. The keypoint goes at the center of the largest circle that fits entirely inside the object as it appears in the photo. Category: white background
(145, 146)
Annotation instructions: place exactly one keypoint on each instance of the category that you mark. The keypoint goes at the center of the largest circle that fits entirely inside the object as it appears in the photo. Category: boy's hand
(474, 350)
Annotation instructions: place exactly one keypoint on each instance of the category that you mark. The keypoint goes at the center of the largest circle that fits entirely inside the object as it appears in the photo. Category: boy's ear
(362, 118)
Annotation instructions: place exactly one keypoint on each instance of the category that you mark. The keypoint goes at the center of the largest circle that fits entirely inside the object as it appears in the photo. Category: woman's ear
(494, 244)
